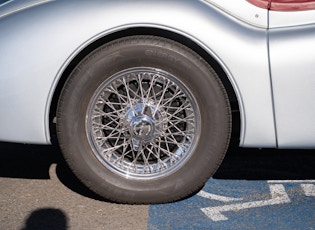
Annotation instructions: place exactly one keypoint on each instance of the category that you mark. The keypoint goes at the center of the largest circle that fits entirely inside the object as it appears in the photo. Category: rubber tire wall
(160, 53)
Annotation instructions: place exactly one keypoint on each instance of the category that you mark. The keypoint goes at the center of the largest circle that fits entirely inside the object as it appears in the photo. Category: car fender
(40, 42)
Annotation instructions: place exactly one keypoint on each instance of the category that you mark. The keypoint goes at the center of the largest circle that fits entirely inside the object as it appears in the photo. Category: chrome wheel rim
(143, 123)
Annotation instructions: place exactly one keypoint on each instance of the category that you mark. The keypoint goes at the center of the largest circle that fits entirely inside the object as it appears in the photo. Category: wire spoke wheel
(142, 120)
(142, 123)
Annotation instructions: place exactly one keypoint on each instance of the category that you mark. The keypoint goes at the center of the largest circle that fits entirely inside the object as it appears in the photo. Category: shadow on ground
(48, 219)
(267, 164)
(34, 161)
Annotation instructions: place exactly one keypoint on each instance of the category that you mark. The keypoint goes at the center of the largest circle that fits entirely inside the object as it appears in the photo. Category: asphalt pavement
(253, 189)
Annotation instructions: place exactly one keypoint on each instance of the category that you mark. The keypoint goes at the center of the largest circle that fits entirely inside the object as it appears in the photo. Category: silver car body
(268, 57)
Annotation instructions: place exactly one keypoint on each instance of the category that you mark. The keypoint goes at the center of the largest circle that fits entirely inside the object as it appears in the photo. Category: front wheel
(143, 120)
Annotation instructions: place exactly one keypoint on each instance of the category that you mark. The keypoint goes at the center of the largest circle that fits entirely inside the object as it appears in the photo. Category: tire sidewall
(173, 58)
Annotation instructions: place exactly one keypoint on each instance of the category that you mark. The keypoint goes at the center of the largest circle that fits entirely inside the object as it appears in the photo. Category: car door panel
(292, 59)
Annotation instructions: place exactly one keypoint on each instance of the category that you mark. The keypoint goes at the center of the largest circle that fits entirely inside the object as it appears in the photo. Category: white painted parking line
(217, 197)
(278, 196)
(264, 206)
(290, 181)
(309, 189)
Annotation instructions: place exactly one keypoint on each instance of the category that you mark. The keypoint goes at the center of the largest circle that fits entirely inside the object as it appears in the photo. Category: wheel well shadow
(154, 32)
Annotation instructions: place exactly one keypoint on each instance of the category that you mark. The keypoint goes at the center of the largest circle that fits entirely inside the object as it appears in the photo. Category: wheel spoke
(161, 98)
(143, 123)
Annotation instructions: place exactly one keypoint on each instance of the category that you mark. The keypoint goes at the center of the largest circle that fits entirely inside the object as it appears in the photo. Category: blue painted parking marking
(241, 204)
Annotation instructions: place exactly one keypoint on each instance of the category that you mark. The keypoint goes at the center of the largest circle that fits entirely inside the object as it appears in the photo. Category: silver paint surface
(40, 38)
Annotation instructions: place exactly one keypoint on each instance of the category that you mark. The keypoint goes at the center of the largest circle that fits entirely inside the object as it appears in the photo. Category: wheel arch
(177, 37)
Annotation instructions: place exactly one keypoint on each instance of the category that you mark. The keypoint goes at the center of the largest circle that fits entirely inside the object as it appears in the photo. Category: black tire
(162, 157)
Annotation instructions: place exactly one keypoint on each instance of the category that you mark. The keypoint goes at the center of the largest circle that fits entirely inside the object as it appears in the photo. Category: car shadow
(27, 161)
(267, 164)
(33, 162)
